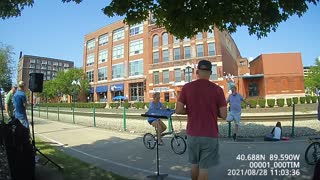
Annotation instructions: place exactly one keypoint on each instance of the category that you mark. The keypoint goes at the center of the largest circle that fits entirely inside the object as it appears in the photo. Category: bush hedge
(77, 105)
(253, 103)
(289, 102)
(302, 100)
(262, 103)
(271, 102)
(314, 99)
(308, 99)
(295, 100)
(280, 102)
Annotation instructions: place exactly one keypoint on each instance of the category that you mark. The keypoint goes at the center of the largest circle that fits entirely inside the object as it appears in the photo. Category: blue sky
(54, 29)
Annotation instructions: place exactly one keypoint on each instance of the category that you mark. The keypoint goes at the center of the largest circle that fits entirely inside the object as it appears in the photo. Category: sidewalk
(124, 153)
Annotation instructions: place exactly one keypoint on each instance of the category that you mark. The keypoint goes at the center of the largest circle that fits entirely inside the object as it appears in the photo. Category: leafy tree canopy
(184, 18)
(6, 66)
(312, 80)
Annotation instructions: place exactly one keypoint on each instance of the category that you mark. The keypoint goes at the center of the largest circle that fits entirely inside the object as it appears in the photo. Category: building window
(156, 77)
(155, 41)
(103, 56)
(136, 67)
(199, 35)
(165, 55)
(103, 39)
(136, 47)
(90, 60)
(91, 44)
(156, 57)
(176, 40)
(102, 74)
(177, 75)
(200, 50)
(165, 75)
(210, 34)
(118, 34)
(214, 74)
(136, 29)
(187, 52)
(253, 89)
(136, 92)
(211, 49)
(165, 39)
(118, 71)
(118, 52)
(90, 75)
(176, 52)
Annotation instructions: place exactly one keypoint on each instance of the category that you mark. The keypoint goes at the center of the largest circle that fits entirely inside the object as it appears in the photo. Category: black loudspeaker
(36, 82)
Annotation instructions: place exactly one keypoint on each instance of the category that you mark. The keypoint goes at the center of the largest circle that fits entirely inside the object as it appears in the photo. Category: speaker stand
(33, 139)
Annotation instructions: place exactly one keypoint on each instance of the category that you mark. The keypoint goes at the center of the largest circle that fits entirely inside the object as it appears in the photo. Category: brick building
(36, 64)
(136, 61)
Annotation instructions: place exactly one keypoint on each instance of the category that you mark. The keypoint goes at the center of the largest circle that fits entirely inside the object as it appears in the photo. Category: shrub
(243, 105)
(280, 102)
(126, 105)
(253, 103)
(139, 105)
(308, 99)
(302, 100)
(289, 102)
(262, 103)
(271, 102)
(114, 105)
(295, 100)
(314, 99)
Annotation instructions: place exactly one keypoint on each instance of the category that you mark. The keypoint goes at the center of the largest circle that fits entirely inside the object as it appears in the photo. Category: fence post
(73, 116)
(293, 118)
(47, 113)
(94, 116)
(124, 119)
(39, 110)
(229, 130)
(169, 124)
(58, 114)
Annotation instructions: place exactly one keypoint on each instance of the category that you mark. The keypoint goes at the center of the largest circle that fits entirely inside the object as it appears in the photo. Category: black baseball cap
(204, 65)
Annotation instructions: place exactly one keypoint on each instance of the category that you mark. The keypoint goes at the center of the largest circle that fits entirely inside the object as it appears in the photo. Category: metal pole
(94, 116)
(169, 124)
(73, 116)
(229, 130)
(58, 114)
(38, 110)
(47, 112)
(293, 118)
(124, 119)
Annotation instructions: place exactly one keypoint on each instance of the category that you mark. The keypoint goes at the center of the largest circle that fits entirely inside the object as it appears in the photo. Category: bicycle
(178, 144)
(312, 153)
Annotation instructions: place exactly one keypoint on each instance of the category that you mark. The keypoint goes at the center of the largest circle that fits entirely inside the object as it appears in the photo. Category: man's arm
(223, 112)
(180, 109)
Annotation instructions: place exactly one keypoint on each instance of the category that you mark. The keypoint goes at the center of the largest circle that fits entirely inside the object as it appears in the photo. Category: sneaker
(161, 143)
(234, 137)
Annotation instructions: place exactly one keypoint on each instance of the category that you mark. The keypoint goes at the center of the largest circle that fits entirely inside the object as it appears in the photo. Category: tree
(184, 18)
(6, 66)
(49, 89)
(64, 81)
(312, 80)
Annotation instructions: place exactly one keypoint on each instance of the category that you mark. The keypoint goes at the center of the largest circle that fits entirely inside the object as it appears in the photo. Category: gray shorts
(203, 151)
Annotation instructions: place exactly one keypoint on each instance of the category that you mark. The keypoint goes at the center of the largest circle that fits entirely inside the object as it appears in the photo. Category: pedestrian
(156, 122)
(9, 103)
(234, 114)
(20, 104)
(203, 102)
(275, 134)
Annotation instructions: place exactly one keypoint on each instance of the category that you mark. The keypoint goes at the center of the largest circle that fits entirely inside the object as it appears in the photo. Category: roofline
(47, 58)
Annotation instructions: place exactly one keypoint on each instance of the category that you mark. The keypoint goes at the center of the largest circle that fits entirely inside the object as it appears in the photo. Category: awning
(101, 89)
(116, 87)
(91, 90)
(252, 76)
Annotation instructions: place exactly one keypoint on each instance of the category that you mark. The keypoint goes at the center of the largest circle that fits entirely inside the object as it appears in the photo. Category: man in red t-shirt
(203, 102)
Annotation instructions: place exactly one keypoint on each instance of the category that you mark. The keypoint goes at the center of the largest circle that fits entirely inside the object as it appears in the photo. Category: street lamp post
(74, 83)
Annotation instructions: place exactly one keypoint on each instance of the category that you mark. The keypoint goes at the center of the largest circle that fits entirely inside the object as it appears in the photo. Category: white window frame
(118, 51)
(90, 60)
(89, 74)
(121, 69)
(105, 77)
(118, 34)
(136, 29)
(214, 49)
(136, 47)
(91, 44)
(103, 56)
(164, 78)
(136, 67)
(103, 39)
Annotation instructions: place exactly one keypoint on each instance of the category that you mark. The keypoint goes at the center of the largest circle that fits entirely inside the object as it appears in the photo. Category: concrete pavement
(124, 154)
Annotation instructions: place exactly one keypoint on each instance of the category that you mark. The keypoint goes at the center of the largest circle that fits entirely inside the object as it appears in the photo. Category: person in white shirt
(275, 134)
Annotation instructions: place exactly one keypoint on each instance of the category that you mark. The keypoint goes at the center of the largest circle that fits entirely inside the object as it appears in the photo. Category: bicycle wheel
(312, 153)
(178, 144)
(149, 141)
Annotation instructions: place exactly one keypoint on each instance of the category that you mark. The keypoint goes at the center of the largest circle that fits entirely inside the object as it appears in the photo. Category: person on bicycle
(156, 122)
(203, 102)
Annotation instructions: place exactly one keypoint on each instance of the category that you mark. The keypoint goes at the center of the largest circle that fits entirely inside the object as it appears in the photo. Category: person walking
(234, 114)
(9, 103)
(203, 102)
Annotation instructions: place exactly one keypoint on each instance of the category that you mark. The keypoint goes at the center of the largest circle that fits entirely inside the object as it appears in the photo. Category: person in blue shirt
(20, 104)
(234, 114)
(156, 122)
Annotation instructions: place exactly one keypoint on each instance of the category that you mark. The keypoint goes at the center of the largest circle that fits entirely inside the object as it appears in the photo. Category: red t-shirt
(203, 100)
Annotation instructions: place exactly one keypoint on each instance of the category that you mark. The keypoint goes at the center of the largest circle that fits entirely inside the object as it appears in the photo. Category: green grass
(73, 168)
